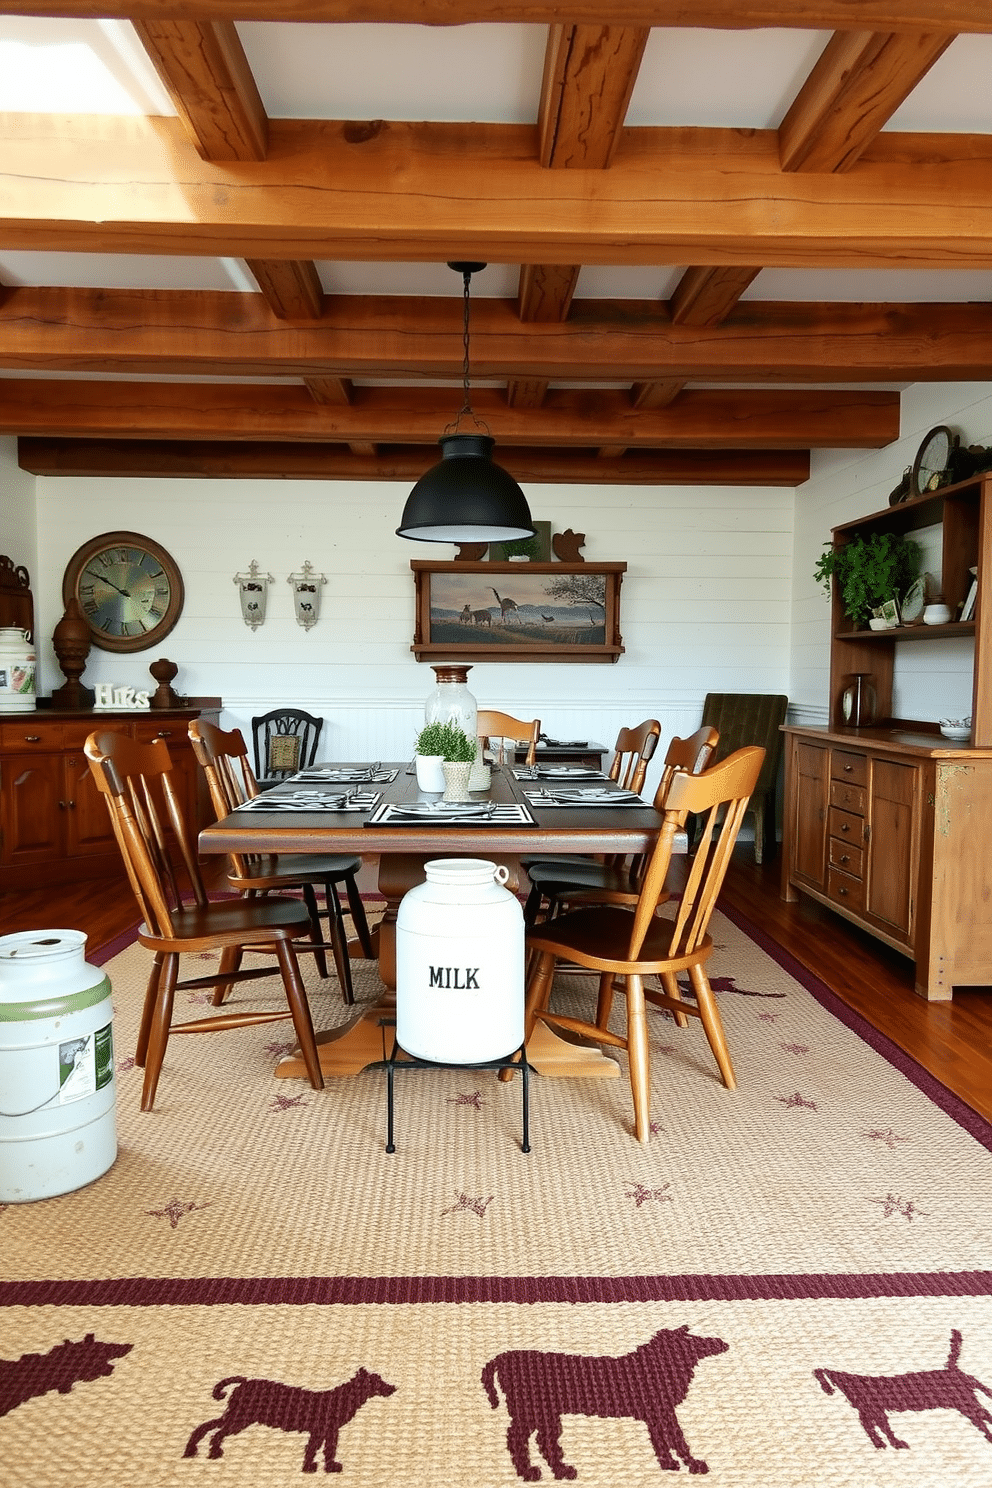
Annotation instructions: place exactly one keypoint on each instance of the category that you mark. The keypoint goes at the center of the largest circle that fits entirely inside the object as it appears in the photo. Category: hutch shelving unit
(889, 825)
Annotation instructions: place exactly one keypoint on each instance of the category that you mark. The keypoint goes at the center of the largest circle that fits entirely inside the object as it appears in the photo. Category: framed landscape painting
(518, 611)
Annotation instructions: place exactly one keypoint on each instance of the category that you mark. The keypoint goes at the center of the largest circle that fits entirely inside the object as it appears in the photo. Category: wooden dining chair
(283, 742)
(144, 803)
(223, 757)
(495, 725)
(625, 943)
(556, 881)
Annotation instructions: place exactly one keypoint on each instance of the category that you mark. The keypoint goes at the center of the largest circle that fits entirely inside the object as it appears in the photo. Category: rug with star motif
(789, 1286)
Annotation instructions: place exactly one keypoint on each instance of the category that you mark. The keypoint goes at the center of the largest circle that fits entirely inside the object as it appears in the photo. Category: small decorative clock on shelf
(932, 460)
(129, 588)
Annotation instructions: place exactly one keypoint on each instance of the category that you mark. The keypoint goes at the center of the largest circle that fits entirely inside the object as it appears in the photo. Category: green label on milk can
(104, 1052)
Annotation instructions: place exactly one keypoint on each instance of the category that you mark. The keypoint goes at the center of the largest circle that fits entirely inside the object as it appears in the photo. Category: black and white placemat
(312, 800)
(441, 813)
(343, 775)
(564, 773)
(577, 796)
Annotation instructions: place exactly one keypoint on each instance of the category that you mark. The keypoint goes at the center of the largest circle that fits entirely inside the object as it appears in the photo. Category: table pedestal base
(363, 1041)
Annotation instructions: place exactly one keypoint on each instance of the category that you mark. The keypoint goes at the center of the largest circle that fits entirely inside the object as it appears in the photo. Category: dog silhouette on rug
(646, 1384)
(59, 1369)
(320, 1414)
(875, 1395)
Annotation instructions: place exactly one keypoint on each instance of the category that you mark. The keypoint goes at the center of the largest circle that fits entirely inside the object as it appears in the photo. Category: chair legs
(709, 1016)
(358, 917)
(639, 1058)
(310, 900)
(339, 941)
(300, 1009)
(164, 975)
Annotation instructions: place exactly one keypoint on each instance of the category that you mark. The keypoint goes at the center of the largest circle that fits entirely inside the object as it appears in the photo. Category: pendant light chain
(466, 407)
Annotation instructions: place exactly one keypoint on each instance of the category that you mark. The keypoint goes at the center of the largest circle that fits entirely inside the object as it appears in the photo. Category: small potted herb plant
(870, 572)
(440, 744)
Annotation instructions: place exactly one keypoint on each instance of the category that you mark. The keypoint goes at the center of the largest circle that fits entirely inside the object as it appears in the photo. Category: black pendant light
(466, 497)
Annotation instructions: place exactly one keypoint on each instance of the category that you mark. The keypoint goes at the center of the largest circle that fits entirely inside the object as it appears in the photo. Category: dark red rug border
(352, 1291)
(952, 1105)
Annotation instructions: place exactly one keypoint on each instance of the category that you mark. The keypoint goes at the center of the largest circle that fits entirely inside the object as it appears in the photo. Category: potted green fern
(869, 572)
(439, 744)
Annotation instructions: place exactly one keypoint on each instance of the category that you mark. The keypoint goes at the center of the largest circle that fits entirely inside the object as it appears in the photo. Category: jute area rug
(788, 1285)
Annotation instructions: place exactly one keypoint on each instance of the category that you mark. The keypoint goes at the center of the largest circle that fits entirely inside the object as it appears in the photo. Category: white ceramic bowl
(955, 731)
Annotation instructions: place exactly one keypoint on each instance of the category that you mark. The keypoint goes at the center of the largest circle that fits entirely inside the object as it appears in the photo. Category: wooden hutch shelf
(888, 825)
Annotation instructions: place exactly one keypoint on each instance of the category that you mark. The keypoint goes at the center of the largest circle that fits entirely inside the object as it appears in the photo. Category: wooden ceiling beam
(291, 287)
(206, 73)
(706, 296)
(146, 332)
(276, 461)
(589, 75)
(858, 82)
(403, 191)
(702, 297)
(722, 15)
(724, 419)
(338, 391)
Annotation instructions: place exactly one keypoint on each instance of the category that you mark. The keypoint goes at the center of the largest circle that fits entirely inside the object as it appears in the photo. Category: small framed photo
(890, 613)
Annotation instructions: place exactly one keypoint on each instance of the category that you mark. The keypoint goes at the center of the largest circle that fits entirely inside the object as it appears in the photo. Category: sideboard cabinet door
(894, 848)
(809, 835)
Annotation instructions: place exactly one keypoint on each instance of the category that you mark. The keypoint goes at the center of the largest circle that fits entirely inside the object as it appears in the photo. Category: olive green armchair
(743, 718)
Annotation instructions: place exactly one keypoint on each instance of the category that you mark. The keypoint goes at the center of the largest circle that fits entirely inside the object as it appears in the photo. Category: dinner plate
(575, 772)
(444, 808)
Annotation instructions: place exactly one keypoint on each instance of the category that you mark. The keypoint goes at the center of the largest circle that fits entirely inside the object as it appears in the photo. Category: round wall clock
(931, 460)
(129, 588)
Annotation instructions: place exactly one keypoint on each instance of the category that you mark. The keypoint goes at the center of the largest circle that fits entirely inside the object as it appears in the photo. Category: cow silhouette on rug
(59, 1369)
(646, 1384)
(875, 1395)
(320, 1414)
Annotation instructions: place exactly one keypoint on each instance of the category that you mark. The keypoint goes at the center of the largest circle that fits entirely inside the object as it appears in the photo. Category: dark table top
(599, 829)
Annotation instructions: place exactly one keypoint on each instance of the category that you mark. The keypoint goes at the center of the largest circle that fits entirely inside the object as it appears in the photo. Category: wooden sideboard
(54, 824)
(888, 827)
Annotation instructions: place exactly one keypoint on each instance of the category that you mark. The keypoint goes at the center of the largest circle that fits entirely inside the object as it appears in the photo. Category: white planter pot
(430, 775)
(460, 964)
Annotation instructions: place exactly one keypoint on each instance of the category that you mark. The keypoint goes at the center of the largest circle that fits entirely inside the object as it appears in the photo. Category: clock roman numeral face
(130, 591)
(124, 592)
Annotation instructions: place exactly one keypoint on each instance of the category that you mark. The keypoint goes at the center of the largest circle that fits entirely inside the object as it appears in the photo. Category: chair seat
(232, 922)
(590, 937)
(578, 875)
(296, 868)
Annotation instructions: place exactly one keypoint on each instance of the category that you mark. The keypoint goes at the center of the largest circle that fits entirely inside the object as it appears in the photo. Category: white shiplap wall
(705, 601)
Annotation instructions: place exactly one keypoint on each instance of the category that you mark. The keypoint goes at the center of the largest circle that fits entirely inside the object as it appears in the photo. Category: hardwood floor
(953, 1040)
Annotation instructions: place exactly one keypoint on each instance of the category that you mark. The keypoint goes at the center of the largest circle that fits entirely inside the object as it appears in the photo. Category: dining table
(378, 811)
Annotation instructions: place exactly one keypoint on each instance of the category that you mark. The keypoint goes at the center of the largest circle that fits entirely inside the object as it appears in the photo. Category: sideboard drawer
(847, 856)
(846, 826)
(847, 766)
(27, 734)
(848, 797)
(846, 890)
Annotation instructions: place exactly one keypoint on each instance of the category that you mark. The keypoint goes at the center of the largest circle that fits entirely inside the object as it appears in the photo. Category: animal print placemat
(788, 1286)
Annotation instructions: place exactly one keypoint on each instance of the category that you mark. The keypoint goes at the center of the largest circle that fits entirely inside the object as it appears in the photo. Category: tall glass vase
(450, 700)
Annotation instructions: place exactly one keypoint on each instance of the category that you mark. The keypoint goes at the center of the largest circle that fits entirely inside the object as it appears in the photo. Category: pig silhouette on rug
(646, 1384)
(59, 1369)
(320, 1414)
(875, 1395)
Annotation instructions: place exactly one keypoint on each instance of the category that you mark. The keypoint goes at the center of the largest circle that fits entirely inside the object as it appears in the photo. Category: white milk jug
(18, 662)
(460, 964)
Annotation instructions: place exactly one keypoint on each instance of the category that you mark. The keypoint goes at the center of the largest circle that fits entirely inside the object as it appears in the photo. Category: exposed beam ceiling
(678, 388)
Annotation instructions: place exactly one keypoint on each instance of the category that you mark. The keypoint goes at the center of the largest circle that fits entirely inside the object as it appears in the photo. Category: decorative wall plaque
(254, 590)
(306, 586)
